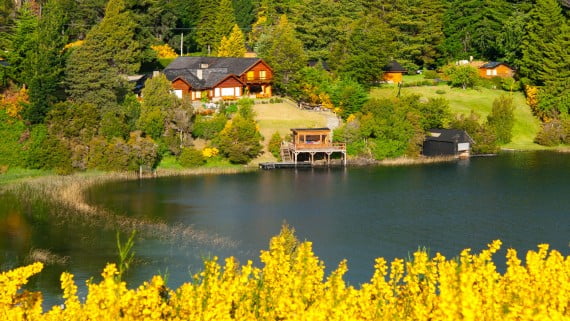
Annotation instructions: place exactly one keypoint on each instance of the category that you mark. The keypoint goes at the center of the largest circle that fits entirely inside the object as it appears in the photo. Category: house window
(178, 93)
(489, 72)
(250, 75)
(262, 75)
(216, 92)
(198, 94)
(228, 92)
(204, 66)
(494, 72)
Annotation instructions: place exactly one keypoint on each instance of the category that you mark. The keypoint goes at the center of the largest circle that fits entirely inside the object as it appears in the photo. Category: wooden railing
(332, 146)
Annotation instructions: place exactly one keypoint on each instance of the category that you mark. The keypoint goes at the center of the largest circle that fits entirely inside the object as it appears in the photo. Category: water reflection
(357, 213)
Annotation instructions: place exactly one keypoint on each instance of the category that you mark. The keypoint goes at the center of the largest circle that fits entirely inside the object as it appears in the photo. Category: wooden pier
(309, 147)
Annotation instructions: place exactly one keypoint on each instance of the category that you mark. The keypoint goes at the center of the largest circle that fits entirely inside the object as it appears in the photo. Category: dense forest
(67, 102)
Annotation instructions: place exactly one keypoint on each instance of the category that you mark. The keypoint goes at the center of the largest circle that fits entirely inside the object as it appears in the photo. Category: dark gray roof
(449, 135)
(4, 63)
(394, 66)
(214, 69)
(493, 64)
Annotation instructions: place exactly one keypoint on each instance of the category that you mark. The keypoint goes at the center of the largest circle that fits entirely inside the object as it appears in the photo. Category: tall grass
(64, 197)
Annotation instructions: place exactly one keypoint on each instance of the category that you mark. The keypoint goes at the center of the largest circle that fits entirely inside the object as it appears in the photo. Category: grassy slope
(281, 118)
(480, 100)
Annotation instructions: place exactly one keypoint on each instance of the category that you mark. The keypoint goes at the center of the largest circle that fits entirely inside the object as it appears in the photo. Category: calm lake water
(356, 213)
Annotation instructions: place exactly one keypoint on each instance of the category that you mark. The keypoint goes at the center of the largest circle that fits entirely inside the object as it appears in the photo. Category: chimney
(199, 74)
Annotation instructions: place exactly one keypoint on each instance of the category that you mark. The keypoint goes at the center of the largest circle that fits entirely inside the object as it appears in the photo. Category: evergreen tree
(46, 63)
(206, 37)
(157, 103)
(419, 30)
(233, 45)
(366, 51)
(544, 54)
(244, 13)
(225, 21)
(317, 24)
(22, 42)
(96, 70)
(472, 28)
(283, 52)
(501, 119)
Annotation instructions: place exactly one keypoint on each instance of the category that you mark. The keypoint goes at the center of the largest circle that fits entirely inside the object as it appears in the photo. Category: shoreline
(66, 194)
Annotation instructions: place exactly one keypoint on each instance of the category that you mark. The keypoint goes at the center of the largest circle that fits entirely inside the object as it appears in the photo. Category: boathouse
(447, 142)
(310, 145)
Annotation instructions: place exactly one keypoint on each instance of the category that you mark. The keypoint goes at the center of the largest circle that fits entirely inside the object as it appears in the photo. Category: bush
(275, 145)
(191, 157)
(510, 84)
(208, 127)
(502, 118)
(430, 74)
(440, 92)
(240, 142)
(554, 132)
(462, 76)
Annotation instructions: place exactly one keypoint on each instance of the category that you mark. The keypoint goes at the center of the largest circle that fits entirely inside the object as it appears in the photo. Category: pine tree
(366, 51)
(205, 34)
(47, 63)
(317, 24)
(544, 56)
(96, 70)
(472, 28)
(281, 49)
(225, 21)
(244, 13)
(233, 45)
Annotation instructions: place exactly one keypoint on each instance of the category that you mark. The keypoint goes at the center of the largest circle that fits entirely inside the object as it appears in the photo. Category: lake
(354, 213)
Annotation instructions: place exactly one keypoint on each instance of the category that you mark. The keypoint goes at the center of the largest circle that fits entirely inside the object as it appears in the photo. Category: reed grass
(65, 196)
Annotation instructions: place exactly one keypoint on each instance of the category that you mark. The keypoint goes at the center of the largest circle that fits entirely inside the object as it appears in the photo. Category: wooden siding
(179, 84)
(393, 77)
(256, 77)
(229, 82)
(499, 71)
(312, 138)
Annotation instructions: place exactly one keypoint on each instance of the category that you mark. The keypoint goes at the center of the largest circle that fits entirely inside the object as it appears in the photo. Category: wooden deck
(291, 152)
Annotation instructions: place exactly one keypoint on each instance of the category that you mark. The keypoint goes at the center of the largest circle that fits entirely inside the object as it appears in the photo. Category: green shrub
(430, 74)
(510, 84)
(551, 133)
(208, 127)
(440, 92)
(191, 157)
(275, 145)
(240, 142)
(12, 131)
(502, 119)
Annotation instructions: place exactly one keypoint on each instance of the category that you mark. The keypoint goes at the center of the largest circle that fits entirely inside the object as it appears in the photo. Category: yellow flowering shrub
(291, 285)
(74, 44)
(164, 51)
(210, 152)
(13, 102)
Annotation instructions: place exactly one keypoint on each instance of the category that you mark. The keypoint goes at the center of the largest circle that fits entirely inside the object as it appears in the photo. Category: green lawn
(16, 173)
(481, 101)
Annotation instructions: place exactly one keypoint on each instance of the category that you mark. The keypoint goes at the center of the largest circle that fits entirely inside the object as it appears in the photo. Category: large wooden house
(219, 78)
(496, 69)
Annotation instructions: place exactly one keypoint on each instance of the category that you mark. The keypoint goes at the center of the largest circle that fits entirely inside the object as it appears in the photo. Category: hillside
(281, 118)
(479, 100)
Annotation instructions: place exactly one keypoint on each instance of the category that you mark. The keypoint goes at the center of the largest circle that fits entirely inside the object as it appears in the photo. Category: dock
(276, 165)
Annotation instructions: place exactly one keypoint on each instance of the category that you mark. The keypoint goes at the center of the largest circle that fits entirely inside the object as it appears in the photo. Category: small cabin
(394, 73)
(447, 142)
(312, 137)
(496, 69)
